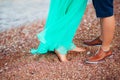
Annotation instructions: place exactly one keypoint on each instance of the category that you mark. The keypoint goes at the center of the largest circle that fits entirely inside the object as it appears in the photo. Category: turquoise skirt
(61, 25)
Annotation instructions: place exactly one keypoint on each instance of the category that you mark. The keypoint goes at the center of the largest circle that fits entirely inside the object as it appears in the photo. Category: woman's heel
(61, 57)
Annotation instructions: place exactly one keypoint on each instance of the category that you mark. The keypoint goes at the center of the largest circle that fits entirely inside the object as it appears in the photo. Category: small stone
(1, 71)
(6, 64)
(88, 53)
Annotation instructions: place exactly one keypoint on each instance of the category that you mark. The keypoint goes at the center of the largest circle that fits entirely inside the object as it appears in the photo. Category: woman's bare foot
(77, 49)
(61, 57)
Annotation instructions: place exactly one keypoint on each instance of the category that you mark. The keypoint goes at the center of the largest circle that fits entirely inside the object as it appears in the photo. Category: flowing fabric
(62, 23)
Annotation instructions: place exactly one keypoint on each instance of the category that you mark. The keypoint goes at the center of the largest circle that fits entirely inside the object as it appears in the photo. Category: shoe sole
(94, 45)
(88, 62)
(91, 45)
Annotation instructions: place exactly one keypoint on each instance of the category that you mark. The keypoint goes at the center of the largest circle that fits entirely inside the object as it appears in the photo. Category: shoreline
(5, 28)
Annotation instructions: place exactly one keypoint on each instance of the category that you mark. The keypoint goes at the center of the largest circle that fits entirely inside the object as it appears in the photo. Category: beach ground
(16, 63)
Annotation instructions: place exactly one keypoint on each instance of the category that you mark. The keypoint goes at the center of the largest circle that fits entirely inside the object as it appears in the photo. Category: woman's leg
(72, 19)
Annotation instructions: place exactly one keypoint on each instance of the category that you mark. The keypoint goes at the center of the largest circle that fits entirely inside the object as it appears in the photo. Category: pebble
(1, 70)
(88, 53)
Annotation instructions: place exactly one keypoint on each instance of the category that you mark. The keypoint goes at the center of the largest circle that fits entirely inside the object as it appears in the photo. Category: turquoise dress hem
(61, 25)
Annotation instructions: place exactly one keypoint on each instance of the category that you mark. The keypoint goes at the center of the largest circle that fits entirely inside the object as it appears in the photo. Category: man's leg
(108, 27)
(104, 10)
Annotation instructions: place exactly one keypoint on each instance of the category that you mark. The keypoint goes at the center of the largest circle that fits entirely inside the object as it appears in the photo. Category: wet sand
(16, 63)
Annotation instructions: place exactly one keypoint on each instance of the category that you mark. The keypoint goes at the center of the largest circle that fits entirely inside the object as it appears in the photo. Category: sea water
(14, 13)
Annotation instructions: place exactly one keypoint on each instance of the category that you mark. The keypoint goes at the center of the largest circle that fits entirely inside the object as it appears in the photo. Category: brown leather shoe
(94, 42)
(100, 55)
